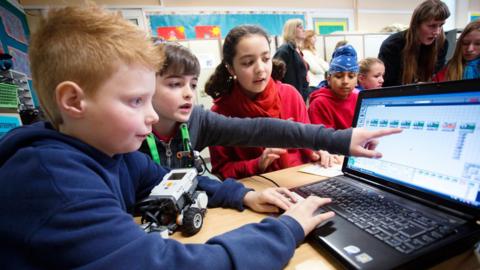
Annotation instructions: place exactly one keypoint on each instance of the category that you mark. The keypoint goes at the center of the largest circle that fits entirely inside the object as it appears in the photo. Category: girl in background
(371, 73)
(317, 66)
(242, 86)
(416, 54)
(290, 53)
(465, 62)
(334, 104)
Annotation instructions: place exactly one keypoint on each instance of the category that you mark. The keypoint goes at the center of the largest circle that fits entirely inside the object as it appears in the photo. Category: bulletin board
(215, 25)
(14, 36)
(325, 26)
(474, 16)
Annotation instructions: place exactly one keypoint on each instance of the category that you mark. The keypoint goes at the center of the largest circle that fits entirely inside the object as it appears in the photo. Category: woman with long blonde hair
(290, 53)
(317, 66)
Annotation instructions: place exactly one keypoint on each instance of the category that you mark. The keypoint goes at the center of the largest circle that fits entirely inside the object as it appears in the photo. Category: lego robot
(175, 204)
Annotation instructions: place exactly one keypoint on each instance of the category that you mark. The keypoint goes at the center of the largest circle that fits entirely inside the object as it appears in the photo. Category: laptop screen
(438, 151)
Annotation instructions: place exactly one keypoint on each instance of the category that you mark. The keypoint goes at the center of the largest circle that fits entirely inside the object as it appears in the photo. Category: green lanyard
(185, 137)
(153, 148)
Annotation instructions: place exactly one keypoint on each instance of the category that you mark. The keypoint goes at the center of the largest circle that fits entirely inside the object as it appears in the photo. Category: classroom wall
(297, 4)
(364, 15)
(374, 22)
(474, 5)
(207, 3)
(388, 5)
(78, 2)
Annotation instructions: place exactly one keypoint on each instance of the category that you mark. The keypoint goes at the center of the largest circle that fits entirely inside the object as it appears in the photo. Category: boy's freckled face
(174, 97)
(121, 114)
(342, 83)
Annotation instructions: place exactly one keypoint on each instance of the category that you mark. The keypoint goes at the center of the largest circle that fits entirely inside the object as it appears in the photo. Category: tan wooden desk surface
(307, 256)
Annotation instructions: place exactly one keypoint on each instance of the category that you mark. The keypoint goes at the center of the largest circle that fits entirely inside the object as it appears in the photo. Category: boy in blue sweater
(68, 184)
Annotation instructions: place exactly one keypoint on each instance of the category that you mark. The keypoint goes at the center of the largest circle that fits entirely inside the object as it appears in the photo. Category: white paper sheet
(319, 170)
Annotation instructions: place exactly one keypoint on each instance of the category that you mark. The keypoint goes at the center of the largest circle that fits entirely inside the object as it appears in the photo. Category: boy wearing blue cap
(333, 105)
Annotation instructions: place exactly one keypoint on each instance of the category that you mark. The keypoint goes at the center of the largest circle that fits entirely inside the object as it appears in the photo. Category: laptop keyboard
(404, 229)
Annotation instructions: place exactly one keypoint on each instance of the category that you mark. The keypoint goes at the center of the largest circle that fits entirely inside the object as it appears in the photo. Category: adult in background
(317, 66)
(290, 53)
(416, 54)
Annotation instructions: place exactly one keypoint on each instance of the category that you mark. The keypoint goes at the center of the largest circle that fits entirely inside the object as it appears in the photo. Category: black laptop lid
(437, 156)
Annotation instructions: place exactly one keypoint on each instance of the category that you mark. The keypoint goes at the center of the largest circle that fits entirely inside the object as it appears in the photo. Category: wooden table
(307, 256)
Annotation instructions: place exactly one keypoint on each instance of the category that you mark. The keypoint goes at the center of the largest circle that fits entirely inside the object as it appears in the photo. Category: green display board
(14, 37)
(474, 16)
(325, 26)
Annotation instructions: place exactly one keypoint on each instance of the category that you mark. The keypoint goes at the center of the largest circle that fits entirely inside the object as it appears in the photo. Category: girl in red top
(242, 86)
(334, 104)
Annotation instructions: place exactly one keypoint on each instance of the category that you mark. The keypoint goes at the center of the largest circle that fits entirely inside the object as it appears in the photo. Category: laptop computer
(420, 202)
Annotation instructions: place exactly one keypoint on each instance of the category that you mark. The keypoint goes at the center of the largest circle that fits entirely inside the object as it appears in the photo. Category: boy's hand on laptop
(269, 200)
(268, 156)
(364, 141)
(303, 212)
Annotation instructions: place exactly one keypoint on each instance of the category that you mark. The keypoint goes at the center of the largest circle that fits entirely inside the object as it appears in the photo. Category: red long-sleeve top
(239, 162)
(329, 110)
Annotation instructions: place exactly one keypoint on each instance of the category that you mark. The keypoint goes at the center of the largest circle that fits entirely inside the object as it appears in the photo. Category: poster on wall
(14, 36)
(271, 22)
(20, 61)
(474, 16)
(207, 31)
(13, 26)
(325, 26)
(171, 33)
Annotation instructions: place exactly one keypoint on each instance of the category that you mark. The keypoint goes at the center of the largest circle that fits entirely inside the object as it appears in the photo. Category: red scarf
(265, 104)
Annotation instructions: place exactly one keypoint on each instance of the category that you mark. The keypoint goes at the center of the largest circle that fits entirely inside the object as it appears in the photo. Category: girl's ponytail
(220, 82)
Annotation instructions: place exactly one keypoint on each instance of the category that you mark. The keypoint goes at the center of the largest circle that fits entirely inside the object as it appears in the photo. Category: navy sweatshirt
(64, 205)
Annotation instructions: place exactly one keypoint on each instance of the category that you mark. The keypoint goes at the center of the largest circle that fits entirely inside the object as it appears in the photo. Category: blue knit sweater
(64, 204)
